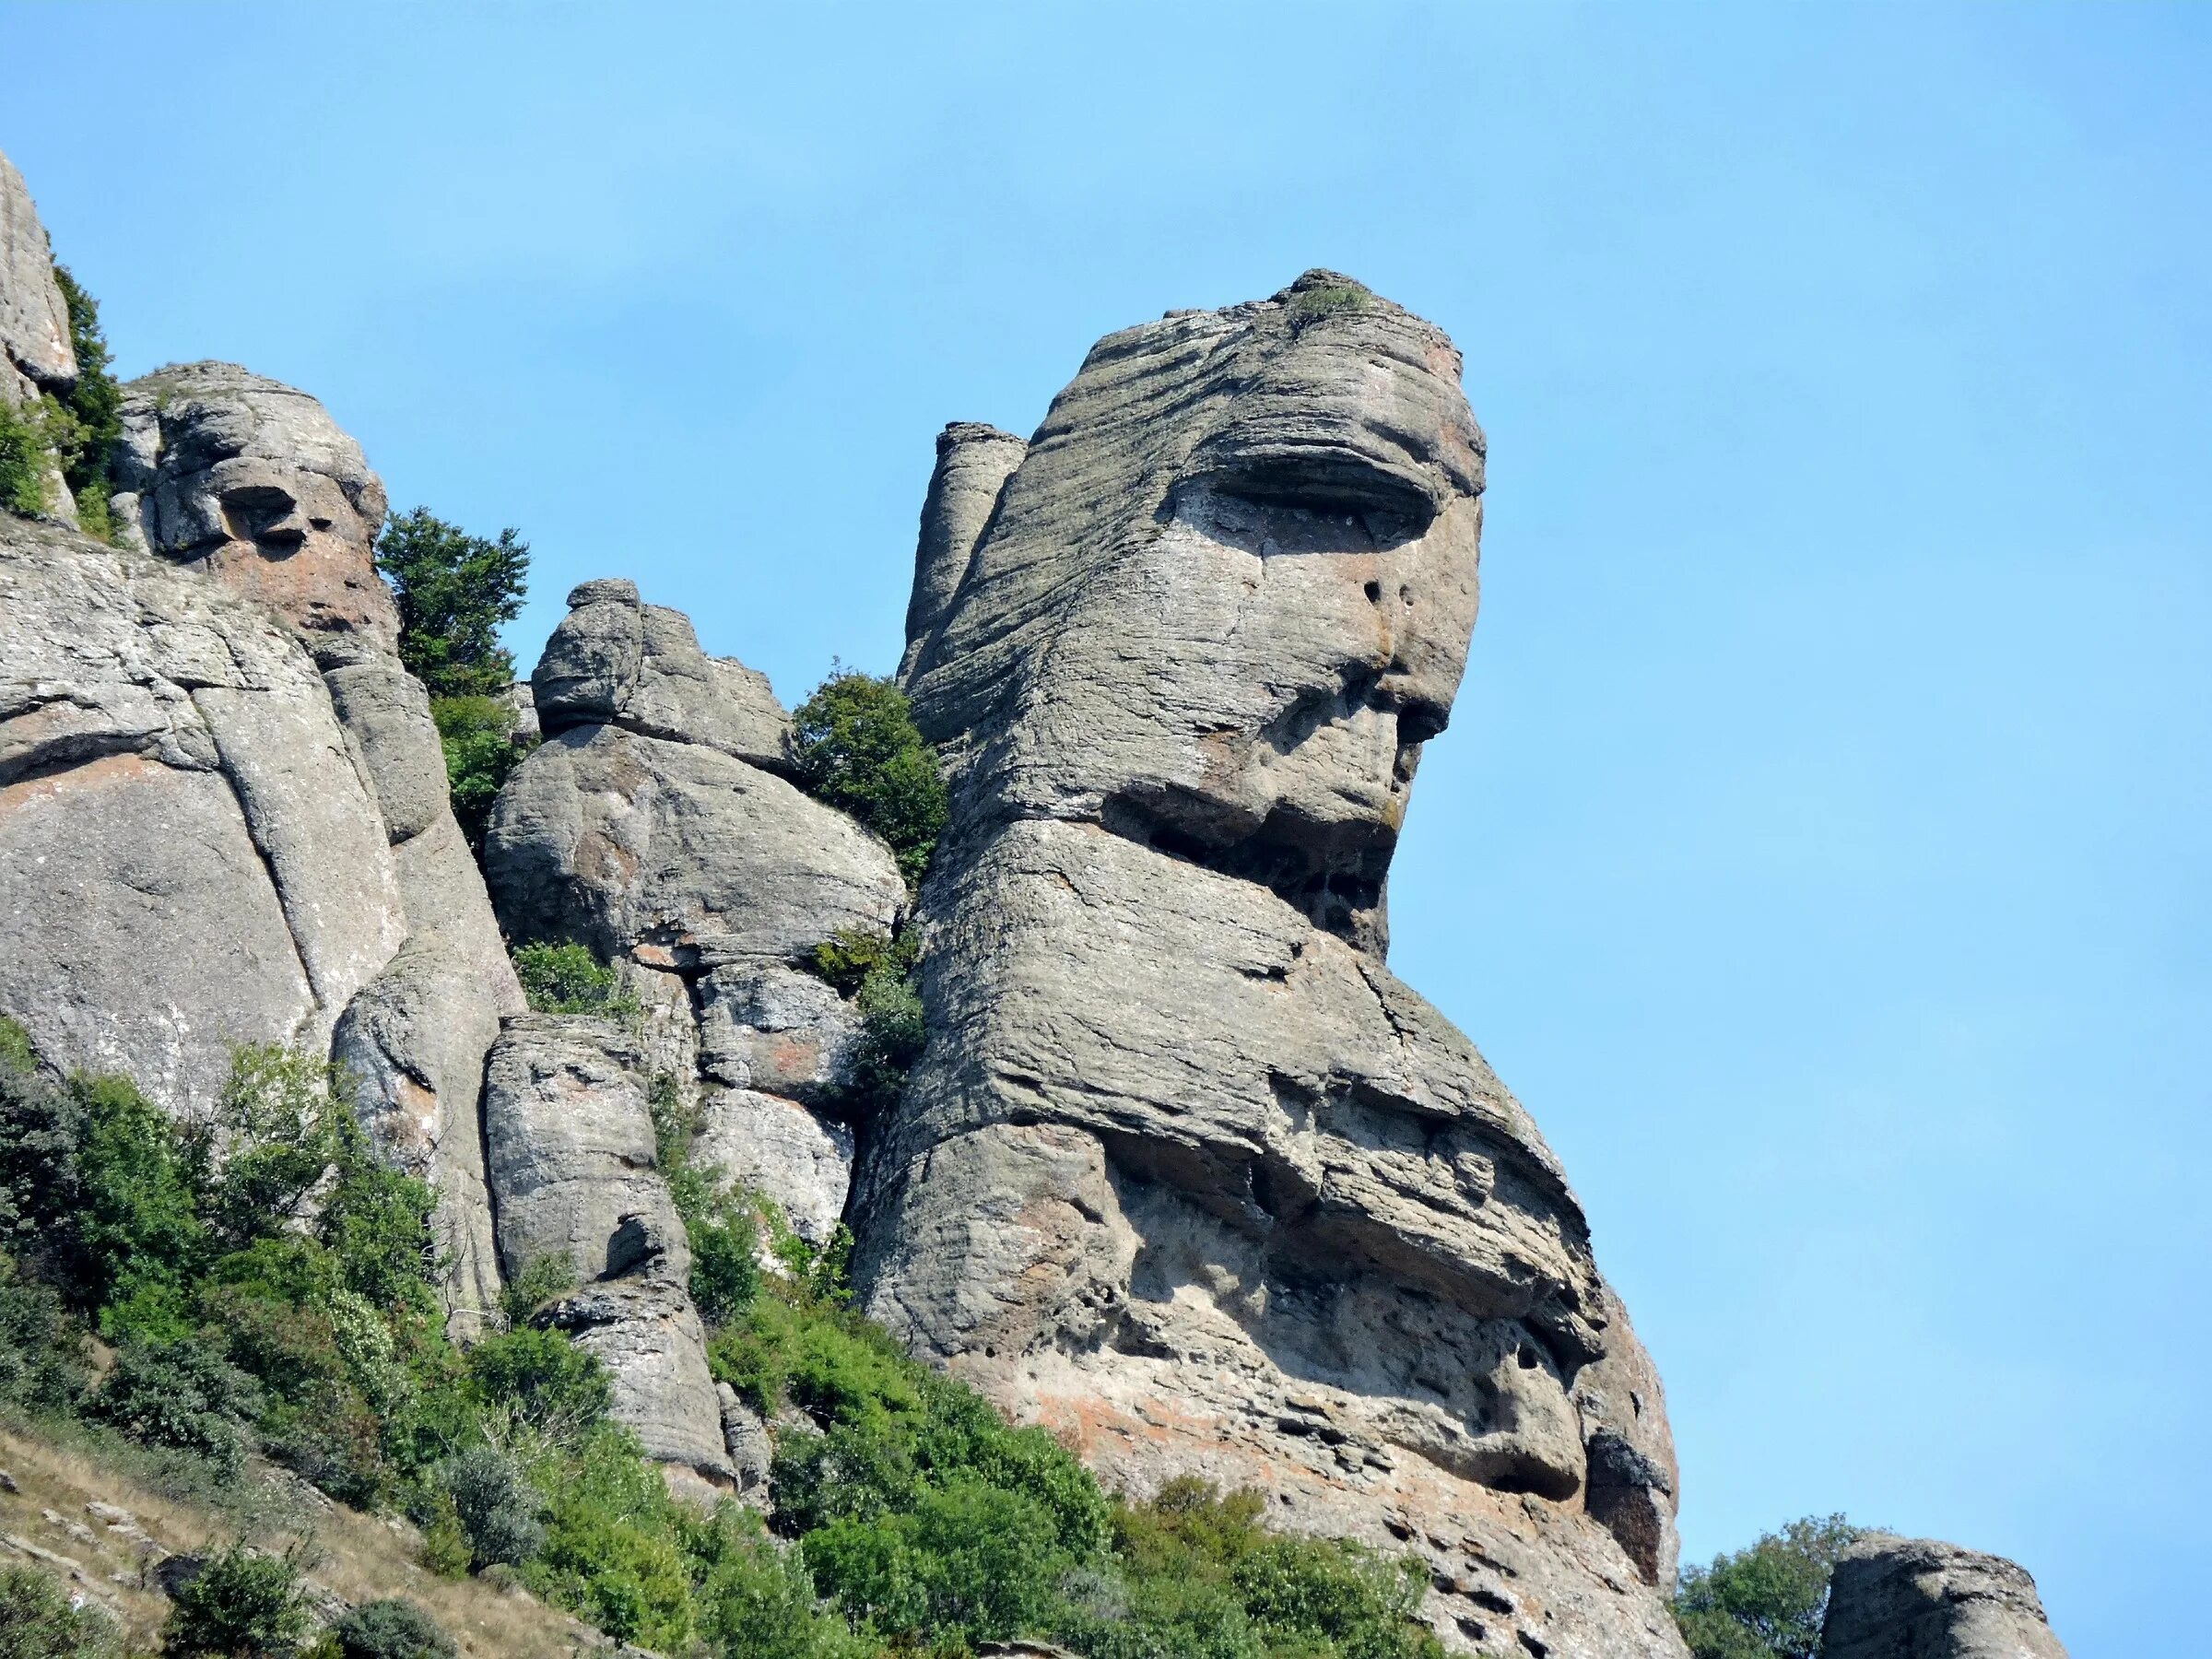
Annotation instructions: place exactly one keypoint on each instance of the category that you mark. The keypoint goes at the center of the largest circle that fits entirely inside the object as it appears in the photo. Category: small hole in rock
(1374, 592)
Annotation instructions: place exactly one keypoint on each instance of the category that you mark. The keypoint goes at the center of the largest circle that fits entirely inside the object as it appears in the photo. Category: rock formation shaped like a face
(1184, 1170)
(1226, 596)
(253, 482)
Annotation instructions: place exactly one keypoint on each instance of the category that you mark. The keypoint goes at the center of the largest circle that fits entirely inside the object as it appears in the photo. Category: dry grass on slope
(46, 1522)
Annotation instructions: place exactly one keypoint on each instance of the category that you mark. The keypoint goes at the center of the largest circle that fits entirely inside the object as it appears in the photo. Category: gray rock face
(36, 355)
(649, 828)
(973, 465)
(252, 484)
(190, 854)
(1915, 1598)
(1184, 1170)
(573, 1165)
(616, 661)
(34, 322)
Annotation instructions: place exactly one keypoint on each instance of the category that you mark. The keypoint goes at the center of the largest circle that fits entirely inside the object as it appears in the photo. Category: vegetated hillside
(260, 1293)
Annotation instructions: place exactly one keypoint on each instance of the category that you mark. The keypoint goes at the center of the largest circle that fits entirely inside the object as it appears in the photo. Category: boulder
(34, 320)
(36, 355)
(623, 840)
(1184, 1172)
(575, 1177)
(1916, 1599)
(616, 661)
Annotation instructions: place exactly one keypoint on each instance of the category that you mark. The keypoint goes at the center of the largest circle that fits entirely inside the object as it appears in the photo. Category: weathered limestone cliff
(1184, 1170)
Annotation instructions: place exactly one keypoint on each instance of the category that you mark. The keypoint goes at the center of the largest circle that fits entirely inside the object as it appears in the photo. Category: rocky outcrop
(37, 358)
(974, 462)
(654, 826)
(1915, 1598)
(254, 483)
(190, 853)
(251, 483)
(34, 322)
(573, 1158)
(1184, 1172)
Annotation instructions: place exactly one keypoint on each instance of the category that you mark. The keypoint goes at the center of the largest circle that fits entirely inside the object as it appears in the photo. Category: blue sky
(1818, 846)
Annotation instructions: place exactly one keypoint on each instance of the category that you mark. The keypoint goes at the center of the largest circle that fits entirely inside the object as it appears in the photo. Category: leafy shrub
(454, 590)
(242, 1601)
(851, 954)
(969, 1562)
(1203, 1577)
(856, 746)
(543, 1379)
(391, 1629)
(1768, 1601)
(1309, 305)
(759, 1602)
(42, 1357)
(876, 970)
(477, 735)
(23, 460)
(496, 1506)
(183, 1394)
(139, 1233)
(37, 1621)
(613, 1550)
(537, 1283)
(722, 1226)
(568, 979)
(17, 1053)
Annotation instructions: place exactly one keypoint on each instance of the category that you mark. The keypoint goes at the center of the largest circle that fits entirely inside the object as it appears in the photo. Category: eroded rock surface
(1186, 1170)
(252, 484)
(36, 356)
(655, 826)
(191, 855)
(571, 1157)
(1916, 1599)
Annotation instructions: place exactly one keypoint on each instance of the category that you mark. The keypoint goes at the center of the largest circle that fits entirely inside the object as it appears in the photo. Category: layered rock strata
(656, 825)
(1915, 1598)
(1184, 1170)
(250, 483)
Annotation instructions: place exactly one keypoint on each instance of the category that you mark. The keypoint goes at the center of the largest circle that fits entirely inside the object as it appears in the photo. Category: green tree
(454, 590)
(858, 748)
(477, 735)
(1768, 1601)
(90, 422)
